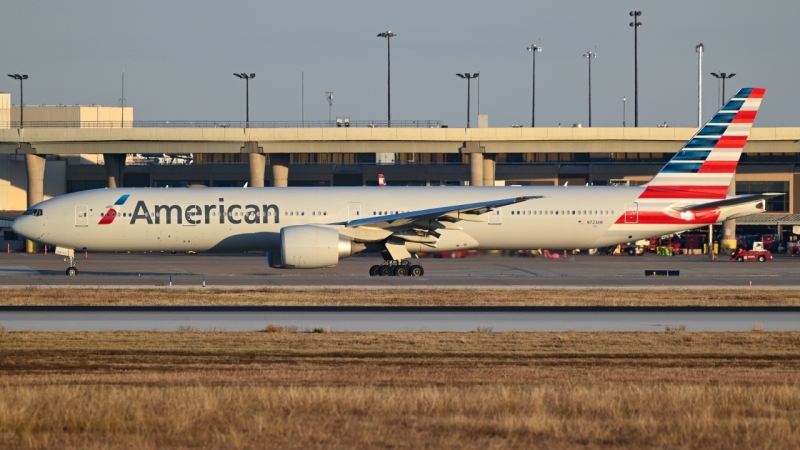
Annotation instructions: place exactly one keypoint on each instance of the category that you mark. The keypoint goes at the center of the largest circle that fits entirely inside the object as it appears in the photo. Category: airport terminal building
(74, 148)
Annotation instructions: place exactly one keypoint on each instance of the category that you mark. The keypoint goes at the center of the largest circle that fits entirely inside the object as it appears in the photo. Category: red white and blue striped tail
(704, 167)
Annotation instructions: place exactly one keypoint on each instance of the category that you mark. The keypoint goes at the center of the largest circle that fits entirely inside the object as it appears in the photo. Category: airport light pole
(590, 55)
(699, 49)
(469, 78)
(329, 96)
(479, 97)
(19, 77)
(534, 49)
(246, 78)
(388, 35)
(635, 24)
(122, 101)
(624, 116)
(723, 76)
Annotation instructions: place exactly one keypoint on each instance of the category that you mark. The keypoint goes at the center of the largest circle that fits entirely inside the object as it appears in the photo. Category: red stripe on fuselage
(718, 167)
(672, 218)
(682, 192)
(108, 217)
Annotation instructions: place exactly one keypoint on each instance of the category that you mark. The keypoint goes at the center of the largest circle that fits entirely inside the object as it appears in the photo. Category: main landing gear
(71, 270)
(396, 269)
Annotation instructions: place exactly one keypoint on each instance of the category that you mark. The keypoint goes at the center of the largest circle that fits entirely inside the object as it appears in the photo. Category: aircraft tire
(373, 271)
(400, 271)
(385, 271)
(631, 252)
(72, 271)
(416, 271)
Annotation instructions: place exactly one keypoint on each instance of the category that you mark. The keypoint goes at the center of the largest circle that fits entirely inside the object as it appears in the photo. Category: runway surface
(155, 269)
(376, 319)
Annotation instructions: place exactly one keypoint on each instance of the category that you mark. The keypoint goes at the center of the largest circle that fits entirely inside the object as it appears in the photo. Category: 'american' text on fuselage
(194, 214)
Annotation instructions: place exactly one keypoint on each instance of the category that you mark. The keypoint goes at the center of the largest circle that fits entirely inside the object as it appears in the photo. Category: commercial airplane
(314, 227)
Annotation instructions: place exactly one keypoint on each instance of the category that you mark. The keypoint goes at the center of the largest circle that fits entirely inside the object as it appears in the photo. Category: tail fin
(705, 166)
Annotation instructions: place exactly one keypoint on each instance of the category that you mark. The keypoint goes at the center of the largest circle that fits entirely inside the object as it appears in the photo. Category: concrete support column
(258, 166)
(34, 165)
(280, 169)
(476, 162)
(115, 168)
(489, 161)
(728, 241)
(476, 169)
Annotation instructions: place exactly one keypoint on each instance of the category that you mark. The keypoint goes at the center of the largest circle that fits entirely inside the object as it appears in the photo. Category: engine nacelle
(312, 247)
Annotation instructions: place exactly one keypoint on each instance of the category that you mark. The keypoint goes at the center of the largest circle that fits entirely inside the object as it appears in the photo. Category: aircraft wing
(738, 200)
(452, 213)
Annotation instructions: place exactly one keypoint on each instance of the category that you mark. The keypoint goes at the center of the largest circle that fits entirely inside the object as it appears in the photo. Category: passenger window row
(563, 213)
(303, 213)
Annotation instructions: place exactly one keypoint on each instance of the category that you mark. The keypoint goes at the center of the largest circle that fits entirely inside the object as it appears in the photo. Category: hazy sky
(179, 57)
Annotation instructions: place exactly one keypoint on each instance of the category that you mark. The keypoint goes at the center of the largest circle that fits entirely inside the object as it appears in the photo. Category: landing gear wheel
(373, 271)
(416, 271)
(385, 271)
(761, 258)
(400, 271)
(72, 271)
(631, 252)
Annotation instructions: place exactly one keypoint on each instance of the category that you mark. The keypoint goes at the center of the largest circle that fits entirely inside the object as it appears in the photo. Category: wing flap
(451, 212)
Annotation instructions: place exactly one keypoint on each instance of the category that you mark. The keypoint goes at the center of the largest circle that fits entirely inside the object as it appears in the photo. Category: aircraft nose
(18, 226)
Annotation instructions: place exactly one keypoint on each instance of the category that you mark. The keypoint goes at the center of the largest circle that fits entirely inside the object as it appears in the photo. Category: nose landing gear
(396, 269)
(71, 270)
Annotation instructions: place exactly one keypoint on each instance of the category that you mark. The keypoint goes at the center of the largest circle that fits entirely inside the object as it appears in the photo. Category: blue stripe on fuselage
(122, 199)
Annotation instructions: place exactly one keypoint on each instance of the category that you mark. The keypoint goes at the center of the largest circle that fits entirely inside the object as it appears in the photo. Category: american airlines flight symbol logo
(111, 214)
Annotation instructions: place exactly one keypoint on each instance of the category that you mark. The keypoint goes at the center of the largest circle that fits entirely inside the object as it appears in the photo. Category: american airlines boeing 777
(314, 227)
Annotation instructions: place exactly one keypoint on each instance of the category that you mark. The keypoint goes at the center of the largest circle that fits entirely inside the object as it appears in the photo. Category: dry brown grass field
(284, 389)
(401, 297)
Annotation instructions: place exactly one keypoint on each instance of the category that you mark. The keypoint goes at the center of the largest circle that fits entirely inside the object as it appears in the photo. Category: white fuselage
(240, 219)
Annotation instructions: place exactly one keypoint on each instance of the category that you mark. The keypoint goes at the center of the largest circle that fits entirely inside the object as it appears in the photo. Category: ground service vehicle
(751, 255)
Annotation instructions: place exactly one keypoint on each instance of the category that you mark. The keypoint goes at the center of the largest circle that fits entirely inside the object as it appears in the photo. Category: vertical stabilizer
(704, 167)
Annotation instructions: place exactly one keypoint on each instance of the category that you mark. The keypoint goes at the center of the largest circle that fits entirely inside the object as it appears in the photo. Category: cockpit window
(33, 212)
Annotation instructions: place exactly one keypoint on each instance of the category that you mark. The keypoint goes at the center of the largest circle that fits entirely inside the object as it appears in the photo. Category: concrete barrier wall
(375, 140)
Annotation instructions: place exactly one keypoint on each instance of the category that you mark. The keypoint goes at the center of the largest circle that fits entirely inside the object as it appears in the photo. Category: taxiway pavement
(384, 319)
(155, 269)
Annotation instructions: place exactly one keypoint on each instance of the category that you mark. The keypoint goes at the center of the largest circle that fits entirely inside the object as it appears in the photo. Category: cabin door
(495, 217)
(353, 211)
(81, 215)
(632, 212)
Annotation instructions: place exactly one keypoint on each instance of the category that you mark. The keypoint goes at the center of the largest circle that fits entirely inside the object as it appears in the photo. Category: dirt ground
(285, 389)
(405, 297)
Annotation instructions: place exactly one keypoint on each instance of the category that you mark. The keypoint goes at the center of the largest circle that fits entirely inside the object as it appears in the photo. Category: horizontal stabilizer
(739, 200)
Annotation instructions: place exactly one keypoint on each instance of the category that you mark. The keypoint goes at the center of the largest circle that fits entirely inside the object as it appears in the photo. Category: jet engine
(312, 247)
